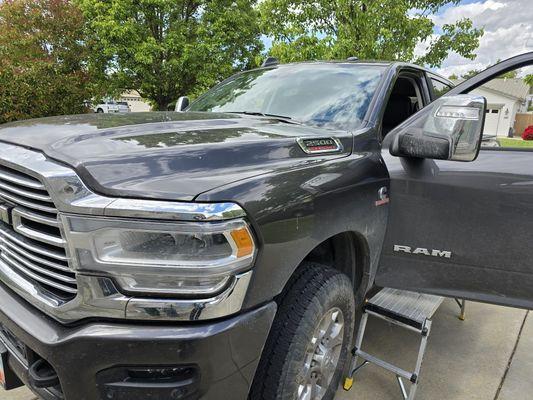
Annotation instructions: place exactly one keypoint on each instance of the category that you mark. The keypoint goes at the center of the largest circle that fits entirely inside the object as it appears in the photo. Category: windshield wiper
(281, 118)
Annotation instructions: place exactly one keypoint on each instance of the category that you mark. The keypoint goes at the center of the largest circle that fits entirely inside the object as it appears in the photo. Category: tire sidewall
(336, 292)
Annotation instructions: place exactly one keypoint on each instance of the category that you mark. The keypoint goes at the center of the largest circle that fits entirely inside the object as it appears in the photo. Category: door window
(405, 100)
(439, 87)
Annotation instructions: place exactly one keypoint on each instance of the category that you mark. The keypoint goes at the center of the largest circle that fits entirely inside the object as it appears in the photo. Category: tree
(168, 48)
(470, 74)
(453, 77)
(42, 59)
(528, 79)
(385, 29)
(509, 75)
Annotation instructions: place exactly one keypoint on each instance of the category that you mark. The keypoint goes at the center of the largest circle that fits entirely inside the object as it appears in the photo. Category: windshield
(331, 95)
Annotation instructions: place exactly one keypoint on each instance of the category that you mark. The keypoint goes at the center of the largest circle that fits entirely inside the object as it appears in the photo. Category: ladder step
(407, 307)
(384, 364)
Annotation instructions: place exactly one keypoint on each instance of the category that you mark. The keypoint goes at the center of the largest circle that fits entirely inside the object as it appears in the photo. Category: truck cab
(225, 250)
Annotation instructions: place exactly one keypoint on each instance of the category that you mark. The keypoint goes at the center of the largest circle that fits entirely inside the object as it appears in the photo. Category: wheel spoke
(304, 392)
(314, 389)
(335, 341)
(322, 356)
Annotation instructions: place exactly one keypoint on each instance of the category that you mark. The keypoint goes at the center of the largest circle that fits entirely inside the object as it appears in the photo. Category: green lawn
(504, 142)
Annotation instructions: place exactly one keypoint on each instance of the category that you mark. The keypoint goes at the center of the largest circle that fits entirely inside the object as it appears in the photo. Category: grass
(508, 142)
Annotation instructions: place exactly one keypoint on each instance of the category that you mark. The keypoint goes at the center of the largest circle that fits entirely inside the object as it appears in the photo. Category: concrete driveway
(487, 357)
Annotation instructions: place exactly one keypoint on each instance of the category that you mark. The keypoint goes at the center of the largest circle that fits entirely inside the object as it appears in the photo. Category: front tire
(308, 344)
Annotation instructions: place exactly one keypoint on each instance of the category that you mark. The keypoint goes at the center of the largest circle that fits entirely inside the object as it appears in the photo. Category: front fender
(293, 211)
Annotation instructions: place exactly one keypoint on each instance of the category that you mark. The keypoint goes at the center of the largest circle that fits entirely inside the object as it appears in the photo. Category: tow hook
(41, 375)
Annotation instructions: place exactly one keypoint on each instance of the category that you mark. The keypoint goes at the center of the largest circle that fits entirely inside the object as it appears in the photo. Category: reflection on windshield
(331, 95)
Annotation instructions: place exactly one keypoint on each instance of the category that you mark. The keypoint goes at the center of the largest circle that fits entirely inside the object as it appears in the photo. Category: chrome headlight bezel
(87, 237)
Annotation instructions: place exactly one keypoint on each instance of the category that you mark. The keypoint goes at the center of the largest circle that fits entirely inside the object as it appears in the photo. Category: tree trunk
(162, 104)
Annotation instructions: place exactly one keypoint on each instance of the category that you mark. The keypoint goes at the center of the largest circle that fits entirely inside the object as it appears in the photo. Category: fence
(522, 121)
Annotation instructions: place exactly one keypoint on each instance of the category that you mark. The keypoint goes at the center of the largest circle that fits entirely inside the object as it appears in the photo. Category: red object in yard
(528, 133)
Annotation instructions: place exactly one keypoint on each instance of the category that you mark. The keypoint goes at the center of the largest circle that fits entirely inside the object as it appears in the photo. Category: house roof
(513, 87)
(131, 93)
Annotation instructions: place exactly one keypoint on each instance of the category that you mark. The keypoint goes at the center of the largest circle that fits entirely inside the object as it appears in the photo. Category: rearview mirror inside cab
(450, 128)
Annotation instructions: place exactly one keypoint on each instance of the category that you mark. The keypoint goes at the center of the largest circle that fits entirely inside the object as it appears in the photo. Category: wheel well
(347, 252)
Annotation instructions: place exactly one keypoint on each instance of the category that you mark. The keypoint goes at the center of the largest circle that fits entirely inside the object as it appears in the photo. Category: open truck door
(460, 219)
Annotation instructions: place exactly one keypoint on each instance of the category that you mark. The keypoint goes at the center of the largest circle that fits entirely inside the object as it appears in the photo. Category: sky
(508, 28)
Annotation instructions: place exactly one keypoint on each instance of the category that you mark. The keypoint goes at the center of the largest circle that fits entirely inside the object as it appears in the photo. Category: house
(505, 98)
(529, 100)
(135, 101)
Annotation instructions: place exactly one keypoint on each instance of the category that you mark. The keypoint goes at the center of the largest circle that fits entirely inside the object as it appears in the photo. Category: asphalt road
(487, 357)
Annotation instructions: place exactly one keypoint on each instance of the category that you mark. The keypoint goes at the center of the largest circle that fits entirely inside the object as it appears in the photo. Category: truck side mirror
(450, 128)
(182, 104)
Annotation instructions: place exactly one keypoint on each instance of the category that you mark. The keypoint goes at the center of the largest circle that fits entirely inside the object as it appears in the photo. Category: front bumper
(225, 353)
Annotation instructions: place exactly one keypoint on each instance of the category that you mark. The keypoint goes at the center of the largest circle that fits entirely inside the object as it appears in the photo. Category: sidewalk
(487, 357)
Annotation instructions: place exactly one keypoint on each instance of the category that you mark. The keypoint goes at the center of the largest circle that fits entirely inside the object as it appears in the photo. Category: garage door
(492, 118)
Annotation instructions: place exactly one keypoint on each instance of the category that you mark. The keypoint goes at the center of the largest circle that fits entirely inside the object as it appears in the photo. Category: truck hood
(168, 155)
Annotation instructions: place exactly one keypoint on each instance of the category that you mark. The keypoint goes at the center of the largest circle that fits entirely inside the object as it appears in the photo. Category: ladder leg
(462, 316)
(348, 382)
(421, 352)
(402, 387)
(462, 305)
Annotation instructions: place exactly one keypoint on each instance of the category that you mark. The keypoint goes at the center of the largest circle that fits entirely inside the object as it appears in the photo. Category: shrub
(528, 133)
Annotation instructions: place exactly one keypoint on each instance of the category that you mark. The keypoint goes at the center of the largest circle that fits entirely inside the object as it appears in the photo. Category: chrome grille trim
(33, 257)
(40, 218)
(37, 277)
(31, 242)
(23, 202)
(36, 268)
(35, 248)
(25, 193)
(22, 180)
(38, 235)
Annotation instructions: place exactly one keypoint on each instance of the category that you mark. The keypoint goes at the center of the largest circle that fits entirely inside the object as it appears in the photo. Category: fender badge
(320, 145)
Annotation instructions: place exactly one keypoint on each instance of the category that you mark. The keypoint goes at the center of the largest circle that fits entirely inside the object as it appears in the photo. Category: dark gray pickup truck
(222, 252)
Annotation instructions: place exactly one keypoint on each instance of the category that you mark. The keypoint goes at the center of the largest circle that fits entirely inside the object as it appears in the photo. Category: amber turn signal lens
(244, 242)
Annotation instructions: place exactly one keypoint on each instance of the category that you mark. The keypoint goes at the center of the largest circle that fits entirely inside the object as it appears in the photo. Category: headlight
(163, 258)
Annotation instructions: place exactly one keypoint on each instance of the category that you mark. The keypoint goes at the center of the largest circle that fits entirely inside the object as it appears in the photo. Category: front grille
(31, 243)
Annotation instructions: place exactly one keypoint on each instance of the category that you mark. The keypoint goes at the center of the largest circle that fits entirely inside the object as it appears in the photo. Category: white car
(112, 106)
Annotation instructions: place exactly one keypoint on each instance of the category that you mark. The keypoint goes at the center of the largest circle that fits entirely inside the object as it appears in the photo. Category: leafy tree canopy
(169, 48)
(470, 74)
(386, 29)
(528, 79)
(42, 59)
(509, 75)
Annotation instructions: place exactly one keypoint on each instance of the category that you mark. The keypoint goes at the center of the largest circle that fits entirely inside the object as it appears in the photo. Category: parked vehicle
(222, 251)
(111, 106)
